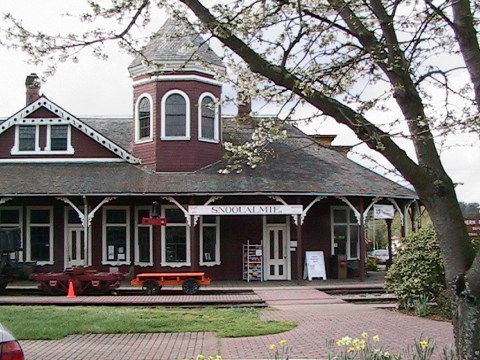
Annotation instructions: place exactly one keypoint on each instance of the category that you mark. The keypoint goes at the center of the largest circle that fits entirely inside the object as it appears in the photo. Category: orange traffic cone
(71, 291)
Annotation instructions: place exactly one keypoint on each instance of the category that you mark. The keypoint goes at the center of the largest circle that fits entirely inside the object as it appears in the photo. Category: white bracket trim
(74, 207)
(304, 213)
(281, 201)
(91, 214)
(4, 200)
(185, 211)
(355, 211)
(394, 202)
(208, 202)
(365, 214)
(405, 212)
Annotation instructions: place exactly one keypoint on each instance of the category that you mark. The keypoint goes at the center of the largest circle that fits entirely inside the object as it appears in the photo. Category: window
(143, 238)
(42, 140)
(40, 235)
(11, 217)
(27, 138)
(59, 138)
(144, 118)
(208, 118)
(175, 238)
(116, 235)
(210, 240)
(175, 116)
(345, 233)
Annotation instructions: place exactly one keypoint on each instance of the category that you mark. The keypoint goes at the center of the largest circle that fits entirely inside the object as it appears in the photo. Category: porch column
(389, 241)
(194, 246)
(362, 242)
(299, 250)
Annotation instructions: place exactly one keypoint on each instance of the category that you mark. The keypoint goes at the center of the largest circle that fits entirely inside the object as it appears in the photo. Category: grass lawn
(55, 322)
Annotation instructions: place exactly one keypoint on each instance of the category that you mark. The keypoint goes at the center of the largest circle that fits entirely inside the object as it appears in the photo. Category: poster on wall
(314, 265)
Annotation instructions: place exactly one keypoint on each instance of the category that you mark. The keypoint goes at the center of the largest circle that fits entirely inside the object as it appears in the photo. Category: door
(277, 259)
(76, 247)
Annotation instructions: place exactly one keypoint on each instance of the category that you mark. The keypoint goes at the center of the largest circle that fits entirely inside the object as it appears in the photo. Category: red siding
(177, 155)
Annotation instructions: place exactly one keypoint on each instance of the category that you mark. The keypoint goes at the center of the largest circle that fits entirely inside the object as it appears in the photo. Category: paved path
(320, 317)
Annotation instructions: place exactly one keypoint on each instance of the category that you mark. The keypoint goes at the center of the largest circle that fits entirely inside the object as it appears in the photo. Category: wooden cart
(151, 283)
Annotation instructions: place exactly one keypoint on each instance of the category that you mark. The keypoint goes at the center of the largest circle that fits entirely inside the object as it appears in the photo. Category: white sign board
(314, 265)
(383, 211)
(245, 210)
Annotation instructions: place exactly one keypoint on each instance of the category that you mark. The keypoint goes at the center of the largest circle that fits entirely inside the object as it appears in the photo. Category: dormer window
(175, 116)
(144, 119)
(58, 138)
(208, 119)
(42, 140)
(27, 138)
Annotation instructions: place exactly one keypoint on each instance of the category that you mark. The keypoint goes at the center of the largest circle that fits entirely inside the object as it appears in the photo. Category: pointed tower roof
(176, 47)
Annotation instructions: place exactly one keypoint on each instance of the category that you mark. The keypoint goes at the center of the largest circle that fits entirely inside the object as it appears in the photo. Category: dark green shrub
(476, 244)
(418, 269)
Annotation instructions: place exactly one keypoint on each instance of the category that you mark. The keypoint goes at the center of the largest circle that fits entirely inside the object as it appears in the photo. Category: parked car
(10, 349)
(379, 255)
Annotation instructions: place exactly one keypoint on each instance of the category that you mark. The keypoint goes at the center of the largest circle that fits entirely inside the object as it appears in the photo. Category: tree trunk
(466, 323)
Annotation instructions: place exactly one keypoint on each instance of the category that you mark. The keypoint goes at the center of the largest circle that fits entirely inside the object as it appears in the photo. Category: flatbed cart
(85, 281)
(151, 283)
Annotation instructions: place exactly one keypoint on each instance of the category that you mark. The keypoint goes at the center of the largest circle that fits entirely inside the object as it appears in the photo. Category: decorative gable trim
(64, 118)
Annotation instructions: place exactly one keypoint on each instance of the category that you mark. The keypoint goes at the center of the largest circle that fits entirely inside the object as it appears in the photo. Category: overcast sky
(104, 88)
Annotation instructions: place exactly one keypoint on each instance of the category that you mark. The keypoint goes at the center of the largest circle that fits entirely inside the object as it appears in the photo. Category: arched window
(208, 124)
(144, 118)
(175, 116)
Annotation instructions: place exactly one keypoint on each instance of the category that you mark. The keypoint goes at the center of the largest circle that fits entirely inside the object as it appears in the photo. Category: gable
(34, 126)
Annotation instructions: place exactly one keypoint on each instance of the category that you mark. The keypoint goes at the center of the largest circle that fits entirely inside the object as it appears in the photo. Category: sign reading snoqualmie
(245, 209)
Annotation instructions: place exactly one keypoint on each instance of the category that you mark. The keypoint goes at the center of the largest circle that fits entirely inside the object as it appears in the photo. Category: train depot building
(145, 194)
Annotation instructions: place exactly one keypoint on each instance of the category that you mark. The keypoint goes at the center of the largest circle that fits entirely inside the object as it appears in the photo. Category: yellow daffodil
(376, 338)
(423, 344)
(282, 343)
(365, 335)
(272, 347)
(350, 350)
(200, 357)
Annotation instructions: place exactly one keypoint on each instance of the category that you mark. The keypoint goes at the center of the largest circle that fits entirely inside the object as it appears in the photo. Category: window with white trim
(57, 140)
(208, 118)
(210, 240)
(40, 235)
(11, 217)
(143, 238)
(175, 238)
(175, 116)
(345, 232)
(27, 138)
(116, 235)
(144, 118)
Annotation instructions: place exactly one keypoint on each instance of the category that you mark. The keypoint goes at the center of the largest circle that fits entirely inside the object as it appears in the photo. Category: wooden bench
(151, 283)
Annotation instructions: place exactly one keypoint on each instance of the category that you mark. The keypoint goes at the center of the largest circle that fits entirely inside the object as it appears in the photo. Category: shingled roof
(300, 166)
(176, 46)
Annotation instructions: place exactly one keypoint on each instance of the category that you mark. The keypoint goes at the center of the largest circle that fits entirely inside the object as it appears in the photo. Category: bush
(418, 269)
(371, 265)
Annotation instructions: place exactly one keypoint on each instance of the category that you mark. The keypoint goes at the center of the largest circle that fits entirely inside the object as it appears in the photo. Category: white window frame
(69, 150)
(16, 147)
(163, 261)
(216, 225)
(19, 225)
(28, 237)
(105, 260)
(138, 139)
(216, 127)
(187, 116)
(350, 222)
(46, 151)
(138, 225)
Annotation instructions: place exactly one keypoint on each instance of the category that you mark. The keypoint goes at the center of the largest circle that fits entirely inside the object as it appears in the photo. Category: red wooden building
(79, 187)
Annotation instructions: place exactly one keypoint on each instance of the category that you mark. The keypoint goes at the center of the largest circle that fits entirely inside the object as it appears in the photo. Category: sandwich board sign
(314, 265)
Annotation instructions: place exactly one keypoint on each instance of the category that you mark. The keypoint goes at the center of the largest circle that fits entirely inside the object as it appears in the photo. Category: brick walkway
(319, 316)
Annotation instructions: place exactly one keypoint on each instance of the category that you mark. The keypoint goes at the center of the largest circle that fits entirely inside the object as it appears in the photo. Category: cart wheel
(151, 287)
(190, 286)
